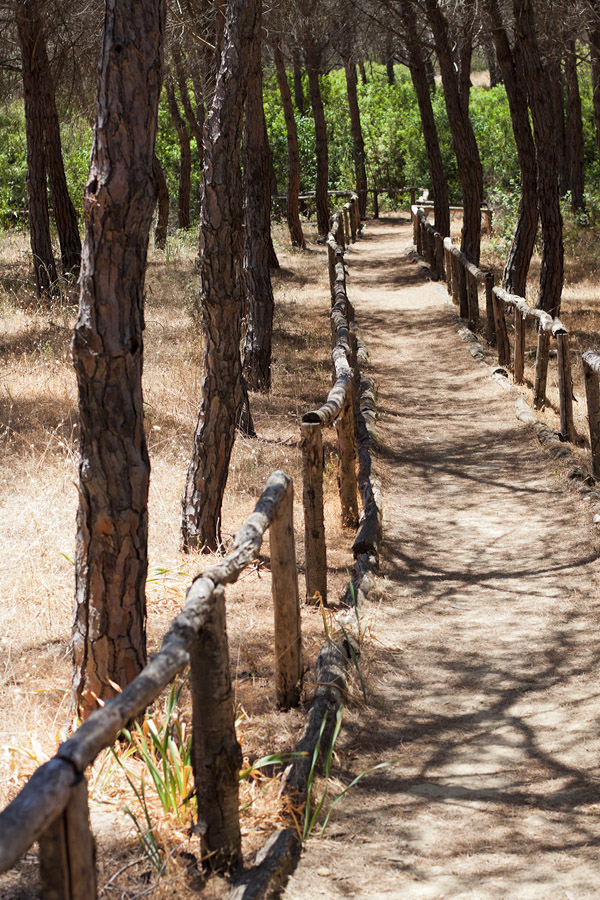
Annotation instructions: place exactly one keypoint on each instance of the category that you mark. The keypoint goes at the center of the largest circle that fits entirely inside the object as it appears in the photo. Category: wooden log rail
(53, 808)
(340, 408)
(375, 191)
(462, 280)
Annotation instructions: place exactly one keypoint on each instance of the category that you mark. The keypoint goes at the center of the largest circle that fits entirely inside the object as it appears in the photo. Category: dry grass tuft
(38, 472)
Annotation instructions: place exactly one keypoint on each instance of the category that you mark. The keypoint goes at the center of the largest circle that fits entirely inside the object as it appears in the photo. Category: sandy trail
(484, 667)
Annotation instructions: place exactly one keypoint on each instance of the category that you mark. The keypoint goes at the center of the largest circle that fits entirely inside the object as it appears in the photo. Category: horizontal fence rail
(462, 279)
(53, 806)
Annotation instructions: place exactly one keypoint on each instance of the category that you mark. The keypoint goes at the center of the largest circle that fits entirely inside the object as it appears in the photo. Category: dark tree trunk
(298, 88)
(109, 641)
(185, 165)
(256, 348)
(463, 137)
(465, 52)
(64, 211)
(575, 141)
(321, 149)
(221, 246)
(594, 38)
(271, 189)
(519, 258)
(431, 82)
(542, 114)
(162, 195)
(358, 144)
(363, 72)
(418, 73)
(195, 120)
(557, 95)
(29, 28)
(494, 67)
(293, 186)
(389, 66)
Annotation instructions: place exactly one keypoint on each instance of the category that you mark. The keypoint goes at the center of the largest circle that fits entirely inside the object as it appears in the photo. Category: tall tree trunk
(271, 191)
(494, 67)
(256, 347)
(557, 95)
(358, 144)
(297, 75)
(418, 74)
(195, 120)
(64, 211)
(521, 251)
(542, 114)
(594, 39)
(293, 186)
(29, 29)
(363, 72)
(162, 195)
(185, 165)
(574, 126)
(109, 640)
(221, 246)
(321, 148)
(463, 137)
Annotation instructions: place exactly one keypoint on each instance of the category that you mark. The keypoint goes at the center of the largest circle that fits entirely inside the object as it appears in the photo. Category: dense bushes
(394, 147)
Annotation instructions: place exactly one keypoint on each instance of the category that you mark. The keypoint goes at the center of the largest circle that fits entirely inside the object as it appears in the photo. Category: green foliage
(13, 166)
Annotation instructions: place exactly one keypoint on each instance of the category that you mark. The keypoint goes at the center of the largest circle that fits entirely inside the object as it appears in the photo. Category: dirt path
(484, 663)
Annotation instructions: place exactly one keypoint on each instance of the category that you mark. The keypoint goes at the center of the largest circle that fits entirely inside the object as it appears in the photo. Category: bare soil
(483, 661)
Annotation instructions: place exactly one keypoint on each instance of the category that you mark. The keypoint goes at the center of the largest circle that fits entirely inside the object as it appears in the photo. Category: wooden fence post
(67, 857)
(502, 342)
(312, 499)
(565, 386)
(455, 279)
(217, 757)
(375, 203)
(472, 299)
(286, 604)
(415, 225)
(463, 298)
(541, 369)
(592, 393)
(519, 356)
(448, 270)
(413, 196)
(439, 255)
(347, 467)
(419, 234)
(490, 318)
(347, 232)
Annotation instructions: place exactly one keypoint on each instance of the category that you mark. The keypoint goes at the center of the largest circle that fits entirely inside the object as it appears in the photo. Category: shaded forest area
(211, 124)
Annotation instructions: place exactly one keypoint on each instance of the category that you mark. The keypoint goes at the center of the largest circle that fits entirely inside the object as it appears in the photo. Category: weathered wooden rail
(375, 191)
(53, 806)
(462, 279)
(342, 407)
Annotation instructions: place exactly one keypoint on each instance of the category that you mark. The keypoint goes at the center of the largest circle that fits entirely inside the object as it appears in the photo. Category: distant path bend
(483, 665)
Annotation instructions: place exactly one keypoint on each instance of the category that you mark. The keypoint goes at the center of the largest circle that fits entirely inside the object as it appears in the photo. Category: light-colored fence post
(565, 386)
(347, 229)
(217, 757)
(312, 499)
(67, 858)
(286, 604)
(591, 367)
(502, 342)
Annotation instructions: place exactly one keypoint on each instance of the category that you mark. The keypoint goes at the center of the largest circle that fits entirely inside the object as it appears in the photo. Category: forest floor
(480, 656)
(483, 669)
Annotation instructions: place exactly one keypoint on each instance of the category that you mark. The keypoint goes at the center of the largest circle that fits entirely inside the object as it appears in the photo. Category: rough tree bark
(256, 348)
(574, 126)
(542, 114)
(521, 251)
(194, 119)
(358, 144)
(594, 39)
(418, 74)
(297, 76)
(221, 246)
(311, 56)
(109, 642)
(29, 29)
(463, 137)
(293, 186)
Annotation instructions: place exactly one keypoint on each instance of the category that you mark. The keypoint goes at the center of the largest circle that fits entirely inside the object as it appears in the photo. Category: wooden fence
(52, 808)
(280, 200)
(463, 280)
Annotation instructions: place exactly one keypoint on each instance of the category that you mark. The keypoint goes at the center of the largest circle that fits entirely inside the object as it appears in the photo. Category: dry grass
(38, 472)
